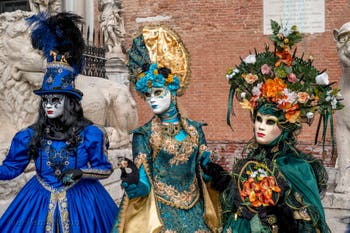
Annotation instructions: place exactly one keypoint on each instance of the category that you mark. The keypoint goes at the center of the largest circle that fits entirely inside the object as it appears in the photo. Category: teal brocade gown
(173, 167)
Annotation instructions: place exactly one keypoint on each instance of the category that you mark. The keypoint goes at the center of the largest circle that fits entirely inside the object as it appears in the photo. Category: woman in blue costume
(276, 187)
(68, 150)
(166, 191)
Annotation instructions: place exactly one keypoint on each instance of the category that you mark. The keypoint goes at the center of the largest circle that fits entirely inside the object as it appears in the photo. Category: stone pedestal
(116, 70)
(336, 205)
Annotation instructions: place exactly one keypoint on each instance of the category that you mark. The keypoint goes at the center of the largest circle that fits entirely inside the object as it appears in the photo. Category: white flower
(262, 172)
(339, 95)
(233, 73)
(243, 95)
(322, 79)
(229, 76)
(256, 90)
(310, 115)
(285, 31)
(291, 96)
(254, 174)
(334, 103)
(250, 59)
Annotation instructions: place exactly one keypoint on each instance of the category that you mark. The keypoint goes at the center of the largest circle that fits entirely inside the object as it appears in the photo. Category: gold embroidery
(181, 150)
(60, 200)
(202, 148)
(169, 195)
(171, 130)
(140, 159)
(302, 214)
(168, 231)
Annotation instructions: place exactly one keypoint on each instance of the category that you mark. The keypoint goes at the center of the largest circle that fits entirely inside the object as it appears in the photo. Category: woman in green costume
(276, 187)
(166, 189)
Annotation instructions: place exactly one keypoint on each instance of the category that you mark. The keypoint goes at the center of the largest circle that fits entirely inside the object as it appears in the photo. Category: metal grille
(12, 5)
(94, 54)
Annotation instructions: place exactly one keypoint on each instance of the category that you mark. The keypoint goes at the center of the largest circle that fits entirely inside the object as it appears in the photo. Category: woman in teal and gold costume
(166, 191)
(276, 187)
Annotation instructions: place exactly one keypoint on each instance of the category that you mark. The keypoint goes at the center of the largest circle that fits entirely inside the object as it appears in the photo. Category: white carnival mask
(159, 99)
(53, 105)
(266, 129)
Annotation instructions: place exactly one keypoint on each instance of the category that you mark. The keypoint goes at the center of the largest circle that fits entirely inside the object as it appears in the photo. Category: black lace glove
(130, 173)
(70, 176)
(220, 177)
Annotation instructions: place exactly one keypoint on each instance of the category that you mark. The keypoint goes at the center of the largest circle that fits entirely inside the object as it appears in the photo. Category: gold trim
(60, 200)
(182, 200)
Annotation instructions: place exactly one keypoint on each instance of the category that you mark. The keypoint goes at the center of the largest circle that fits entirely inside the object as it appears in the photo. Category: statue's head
(51, 6)
(342, 41)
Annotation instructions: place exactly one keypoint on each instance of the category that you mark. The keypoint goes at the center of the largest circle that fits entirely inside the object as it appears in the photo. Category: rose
(322, 79)
(251, 59)
(251, 78)
(292, 78)
(303, 97)
(265, 69)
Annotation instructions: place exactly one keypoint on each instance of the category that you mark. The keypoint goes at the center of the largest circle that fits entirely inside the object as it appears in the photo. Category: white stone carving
(51, 6)
(112, 24)
(342, 40)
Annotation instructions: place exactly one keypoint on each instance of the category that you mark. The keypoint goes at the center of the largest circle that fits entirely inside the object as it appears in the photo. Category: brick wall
(217, 33)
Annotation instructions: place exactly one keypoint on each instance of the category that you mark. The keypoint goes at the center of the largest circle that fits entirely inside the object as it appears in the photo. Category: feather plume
(58, 33)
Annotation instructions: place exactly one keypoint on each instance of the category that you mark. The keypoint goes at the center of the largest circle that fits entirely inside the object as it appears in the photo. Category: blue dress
(180, 200)
(44, 204)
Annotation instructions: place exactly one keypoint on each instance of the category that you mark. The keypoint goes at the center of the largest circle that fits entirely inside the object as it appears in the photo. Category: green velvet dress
(294, 203)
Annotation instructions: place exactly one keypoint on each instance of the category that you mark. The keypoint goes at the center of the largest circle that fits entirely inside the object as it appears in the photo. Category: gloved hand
(130, 173)
(134, 180)
(205, 159)
(70, 176)
(267, 215)
(220, 179)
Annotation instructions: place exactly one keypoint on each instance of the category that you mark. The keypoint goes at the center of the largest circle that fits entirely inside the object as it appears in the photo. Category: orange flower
(149, 84)
(293, 113)
(272, 89)
(260, 192)
(284, 57)
(169, 79)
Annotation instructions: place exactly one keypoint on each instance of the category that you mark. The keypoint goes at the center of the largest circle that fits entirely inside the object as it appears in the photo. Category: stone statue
(21, 67)
(342, 41)
(45, 5)
(112, 24)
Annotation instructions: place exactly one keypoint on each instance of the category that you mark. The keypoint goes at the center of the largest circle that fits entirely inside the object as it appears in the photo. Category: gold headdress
(161, 46)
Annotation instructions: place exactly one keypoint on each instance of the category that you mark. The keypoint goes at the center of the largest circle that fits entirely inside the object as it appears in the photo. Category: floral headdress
(158, 58)
(281, 78)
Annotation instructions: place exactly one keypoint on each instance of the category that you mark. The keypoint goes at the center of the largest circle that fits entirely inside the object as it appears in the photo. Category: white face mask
(53, 104)
(159, 99)
(266, 129)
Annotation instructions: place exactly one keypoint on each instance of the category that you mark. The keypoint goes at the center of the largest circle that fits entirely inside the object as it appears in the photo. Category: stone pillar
(117, 71)
(112, 27)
